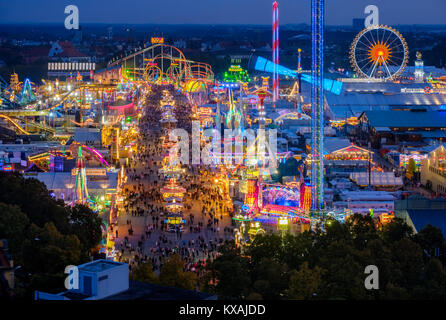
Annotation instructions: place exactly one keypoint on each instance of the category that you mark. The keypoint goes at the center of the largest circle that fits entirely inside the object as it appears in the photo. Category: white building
(364, 201)
(97, 280)
(433, 170)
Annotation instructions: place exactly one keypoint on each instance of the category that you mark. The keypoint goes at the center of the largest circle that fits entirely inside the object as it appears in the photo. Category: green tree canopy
(173, 274)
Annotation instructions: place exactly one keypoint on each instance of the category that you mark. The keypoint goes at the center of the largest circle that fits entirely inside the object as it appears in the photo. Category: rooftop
(65, 180)
(334, 144)
(407, 119)
(99, 265)
(376, 178)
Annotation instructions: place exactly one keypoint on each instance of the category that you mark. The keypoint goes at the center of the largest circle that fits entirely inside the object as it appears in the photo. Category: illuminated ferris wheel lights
(379, 52)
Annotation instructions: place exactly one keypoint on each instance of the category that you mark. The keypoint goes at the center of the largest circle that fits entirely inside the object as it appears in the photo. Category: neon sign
(156, 40)
(234, 68)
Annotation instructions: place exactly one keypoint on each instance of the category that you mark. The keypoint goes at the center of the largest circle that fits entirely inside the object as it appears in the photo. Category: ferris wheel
(379, 52)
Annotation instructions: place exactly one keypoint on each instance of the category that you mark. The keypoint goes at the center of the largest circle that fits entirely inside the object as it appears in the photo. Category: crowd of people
(143, 234)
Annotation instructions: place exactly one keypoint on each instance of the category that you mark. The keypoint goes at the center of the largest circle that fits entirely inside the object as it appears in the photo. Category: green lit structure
(236, 73)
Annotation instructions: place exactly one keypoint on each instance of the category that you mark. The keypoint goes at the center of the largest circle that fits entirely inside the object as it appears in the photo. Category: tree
(33, 199)
(434, 283)
(396, 230)
(173, 274)
(46, 250)
(45, 254)
(268, 245)
(430, 238)
(362, 229)
(344, 276)
(379, 254)
(13, 223)
(230, 278)
(145, 273)
(304, 282)
(270, 279)
(86, 225)
(330, 262)
(411, 169)
(408, 259)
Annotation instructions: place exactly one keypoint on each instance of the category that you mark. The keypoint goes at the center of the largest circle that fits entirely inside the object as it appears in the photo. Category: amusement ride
(115, 97)
(379, 52)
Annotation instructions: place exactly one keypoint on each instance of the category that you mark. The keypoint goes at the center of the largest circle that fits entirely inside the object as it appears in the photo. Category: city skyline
(221, 12)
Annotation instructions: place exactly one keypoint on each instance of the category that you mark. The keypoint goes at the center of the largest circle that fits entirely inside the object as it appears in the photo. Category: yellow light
(283, 221)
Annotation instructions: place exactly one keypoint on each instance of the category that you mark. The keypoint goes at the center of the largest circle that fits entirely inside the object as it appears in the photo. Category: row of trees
(330, 264)
(44, 235)
(172, 273)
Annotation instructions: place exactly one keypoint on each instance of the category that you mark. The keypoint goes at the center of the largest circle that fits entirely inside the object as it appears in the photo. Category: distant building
(391, 127)
(180, 44)
(360, 94)
(342, 157)
(33, 54)
(433, 170)
(14, 157)
(88, 136)
(378, 180)
(110, 33)
(98, 279)
(100, 183)
(364, 201)
(66, 61)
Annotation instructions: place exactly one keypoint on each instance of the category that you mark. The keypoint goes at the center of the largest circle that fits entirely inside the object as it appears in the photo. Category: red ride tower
(276, 51)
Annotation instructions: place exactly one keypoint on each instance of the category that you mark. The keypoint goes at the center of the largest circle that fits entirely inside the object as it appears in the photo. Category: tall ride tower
(276, 51)
(317, 107)
(80, 191)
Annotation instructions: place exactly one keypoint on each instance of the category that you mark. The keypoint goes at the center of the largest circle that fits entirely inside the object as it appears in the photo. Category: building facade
(433, 170)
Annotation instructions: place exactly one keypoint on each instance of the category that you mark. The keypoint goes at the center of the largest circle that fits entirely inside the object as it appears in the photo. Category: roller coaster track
(43, 112)
(14, 122)
(91, 87)
(39, 126)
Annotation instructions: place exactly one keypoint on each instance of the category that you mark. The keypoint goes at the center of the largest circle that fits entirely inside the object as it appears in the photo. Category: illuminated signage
(412, 90)
(91, 172)
(156, 40)
(235, 68)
